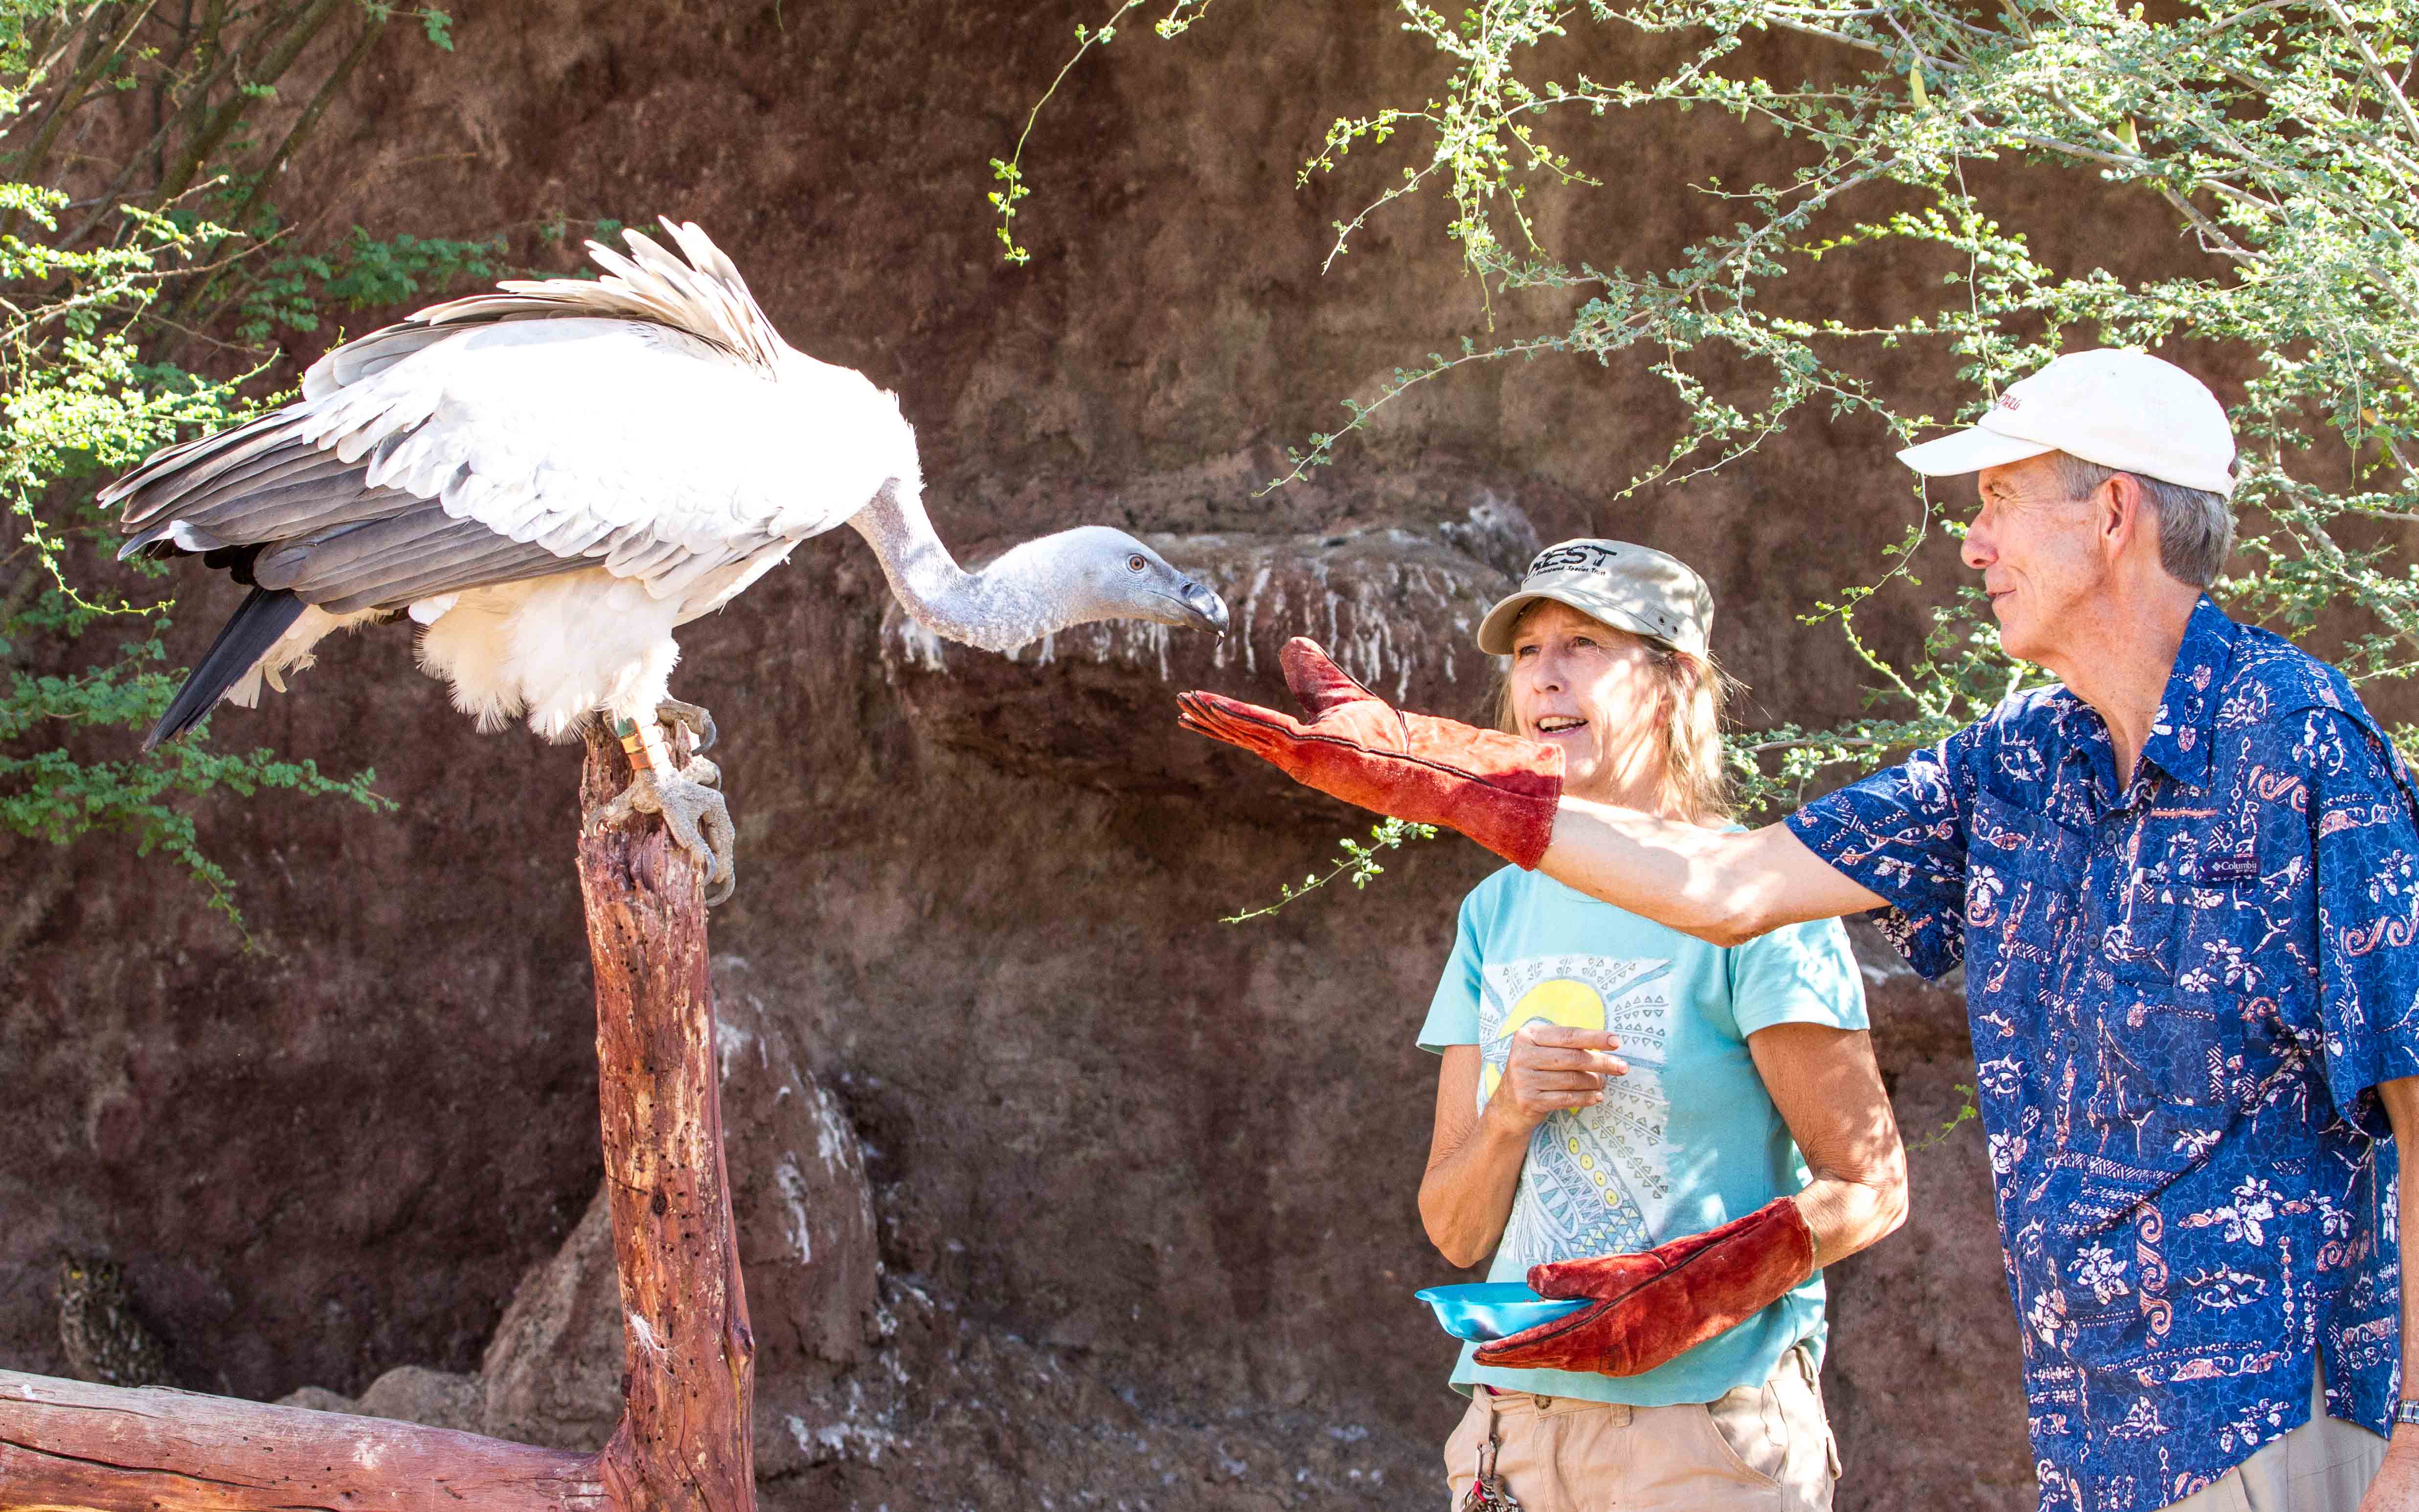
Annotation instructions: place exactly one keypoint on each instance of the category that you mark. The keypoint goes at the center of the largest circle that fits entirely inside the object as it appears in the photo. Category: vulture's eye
(1136, 563)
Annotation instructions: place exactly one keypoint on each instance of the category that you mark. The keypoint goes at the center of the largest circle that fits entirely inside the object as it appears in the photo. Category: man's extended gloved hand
(1499, 790)
(1650, 1308)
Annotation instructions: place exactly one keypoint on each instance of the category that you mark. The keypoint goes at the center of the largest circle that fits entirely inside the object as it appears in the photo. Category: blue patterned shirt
(2183, 989)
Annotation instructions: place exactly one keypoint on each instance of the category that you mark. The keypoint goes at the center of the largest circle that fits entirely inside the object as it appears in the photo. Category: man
(2182, 887)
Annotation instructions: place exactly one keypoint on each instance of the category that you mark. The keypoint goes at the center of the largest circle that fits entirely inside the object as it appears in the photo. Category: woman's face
(1592, 690)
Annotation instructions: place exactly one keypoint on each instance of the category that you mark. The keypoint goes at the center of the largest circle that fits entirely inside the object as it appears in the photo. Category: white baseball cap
(1632, 588)
(2123, 409)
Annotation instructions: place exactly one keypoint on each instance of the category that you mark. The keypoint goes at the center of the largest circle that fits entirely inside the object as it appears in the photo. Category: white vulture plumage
(552, 478)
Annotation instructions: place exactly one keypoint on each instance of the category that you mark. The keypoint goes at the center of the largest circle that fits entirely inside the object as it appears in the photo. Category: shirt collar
(2180, 732)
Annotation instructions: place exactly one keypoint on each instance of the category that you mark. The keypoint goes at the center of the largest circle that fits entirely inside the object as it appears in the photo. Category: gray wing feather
(387, 563)
(173, 471)
(257, 497)
(366, 357)
(327, 534)
(315, 504)
(276, 490)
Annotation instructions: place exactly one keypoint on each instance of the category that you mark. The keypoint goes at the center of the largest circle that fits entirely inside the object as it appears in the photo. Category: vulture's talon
(692, 718)
(630, 801)
(695, 815)
(705, 773)
(698, 818)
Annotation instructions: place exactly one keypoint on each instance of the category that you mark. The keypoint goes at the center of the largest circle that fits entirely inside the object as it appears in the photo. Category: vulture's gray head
(1107, 575)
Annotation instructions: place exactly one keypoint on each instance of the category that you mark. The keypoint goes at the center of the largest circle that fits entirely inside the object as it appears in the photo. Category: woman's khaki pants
(1768, 1447)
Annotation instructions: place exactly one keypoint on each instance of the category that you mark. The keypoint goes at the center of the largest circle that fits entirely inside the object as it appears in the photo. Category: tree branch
(300, 133)
(29, 168)
(69, 1443)
(272, 68)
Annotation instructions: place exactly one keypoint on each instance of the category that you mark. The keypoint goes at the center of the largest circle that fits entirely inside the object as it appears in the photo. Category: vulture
(552, 478)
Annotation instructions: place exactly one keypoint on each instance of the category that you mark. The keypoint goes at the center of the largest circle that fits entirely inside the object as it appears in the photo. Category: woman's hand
(1474, 1155)
(1552, 1069)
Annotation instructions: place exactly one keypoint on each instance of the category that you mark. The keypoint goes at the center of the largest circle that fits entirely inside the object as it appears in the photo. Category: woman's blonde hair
(1696, 779)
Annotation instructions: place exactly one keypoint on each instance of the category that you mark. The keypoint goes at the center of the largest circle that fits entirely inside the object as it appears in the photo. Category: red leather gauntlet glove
(1499, 790)
(1650, 1308)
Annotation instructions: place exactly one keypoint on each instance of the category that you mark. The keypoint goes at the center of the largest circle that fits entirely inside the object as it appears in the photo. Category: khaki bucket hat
(1632, 588)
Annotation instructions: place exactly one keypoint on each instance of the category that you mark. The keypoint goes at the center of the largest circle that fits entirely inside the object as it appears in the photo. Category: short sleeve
(2365, 852)
(1901, 833)
(1453, 1013)
(1801, 974)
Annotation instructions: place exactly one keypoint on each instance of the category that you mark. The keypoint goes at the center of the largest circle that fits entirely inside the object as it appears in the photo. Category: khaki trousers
(1768, 1447)
(2325, 1465)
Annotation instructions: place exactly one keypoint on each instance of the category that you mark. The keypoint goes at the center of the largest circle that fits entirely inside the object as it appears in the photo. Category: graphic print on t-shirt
(1598, 1181)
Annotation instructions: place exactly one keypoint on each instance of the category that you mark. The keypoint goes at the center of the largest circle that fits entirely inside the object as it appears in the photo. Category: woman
(1610, 1086)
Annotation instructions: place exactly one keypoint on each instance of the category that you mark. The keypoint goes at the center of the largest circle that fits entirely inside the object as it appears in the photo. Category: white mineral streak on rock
(792, 1183)
(920, 648)
(731, 1042)
(1250, 607)
(835, 1439)
(832, 1135)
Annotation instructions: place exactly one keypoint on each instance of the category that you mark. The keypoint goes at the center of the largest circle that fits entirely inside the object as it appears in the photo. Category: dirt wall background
(1102, 1200)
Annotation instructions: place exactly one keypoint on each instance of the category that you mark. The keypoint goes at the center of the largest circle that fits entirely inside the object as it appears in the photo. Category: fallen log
(684, 1441)
(67, 1444)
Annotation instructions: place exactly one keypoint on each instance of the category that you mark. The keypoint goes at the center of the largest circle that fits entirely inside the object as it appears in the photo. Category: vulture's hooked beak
(1208, 610)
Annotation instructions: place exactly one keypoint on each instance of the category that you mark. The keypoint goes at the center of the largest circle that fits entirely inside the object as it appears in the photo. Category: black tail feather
(263, 617)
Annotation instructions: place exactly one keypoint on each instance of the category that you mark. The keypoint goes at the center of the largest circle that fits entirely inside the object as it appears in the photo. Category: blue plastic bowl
(1494, 1309)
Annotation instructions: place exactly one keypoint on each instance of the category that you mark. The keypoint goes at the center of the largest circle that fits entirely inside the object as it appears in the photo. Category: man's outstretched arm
(1721, 886)
(1506, 794)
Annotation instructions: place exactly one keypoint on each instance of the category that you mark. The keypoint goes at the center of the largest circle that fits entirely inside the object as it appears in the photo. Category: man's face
(2040, 556)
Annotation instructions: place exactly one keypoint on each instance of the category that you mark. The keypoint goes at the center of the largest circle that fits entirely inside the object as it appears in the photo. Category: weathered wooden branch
(64, 1444)
(684, 1443)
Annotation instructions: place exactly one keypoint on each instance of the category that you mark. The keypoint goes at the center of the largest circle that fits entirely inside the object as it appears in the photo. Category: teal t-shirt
(1688, 1140)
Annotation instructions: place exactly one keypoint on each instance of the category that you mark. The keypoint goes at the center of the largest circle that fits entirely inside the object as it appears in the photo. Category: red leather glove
(1499, 790)
(1651, 1308)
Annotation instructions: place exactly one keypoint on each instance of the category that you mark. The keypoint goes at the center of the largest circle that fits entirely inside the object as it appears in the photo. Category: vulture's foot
(693, 812)
(691, 717)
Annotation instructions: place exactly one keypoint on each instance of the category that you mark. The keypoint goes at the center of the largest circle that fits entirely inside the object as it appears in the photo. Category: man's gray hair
(2195, 527)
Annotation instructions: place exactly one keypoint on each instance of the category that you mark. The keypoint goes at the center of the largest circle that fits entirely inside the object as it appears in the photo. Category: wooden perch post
(688, 1395)
(688, 1390)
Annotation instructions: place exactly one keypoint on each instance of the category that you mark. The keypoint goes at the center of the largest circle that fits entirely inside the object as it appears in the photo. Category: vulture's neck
(1028, 594)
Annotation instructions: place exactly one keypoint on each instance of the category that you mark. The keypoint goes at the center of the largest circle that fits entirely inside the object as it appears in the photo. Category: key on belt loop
(1486, 1493)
